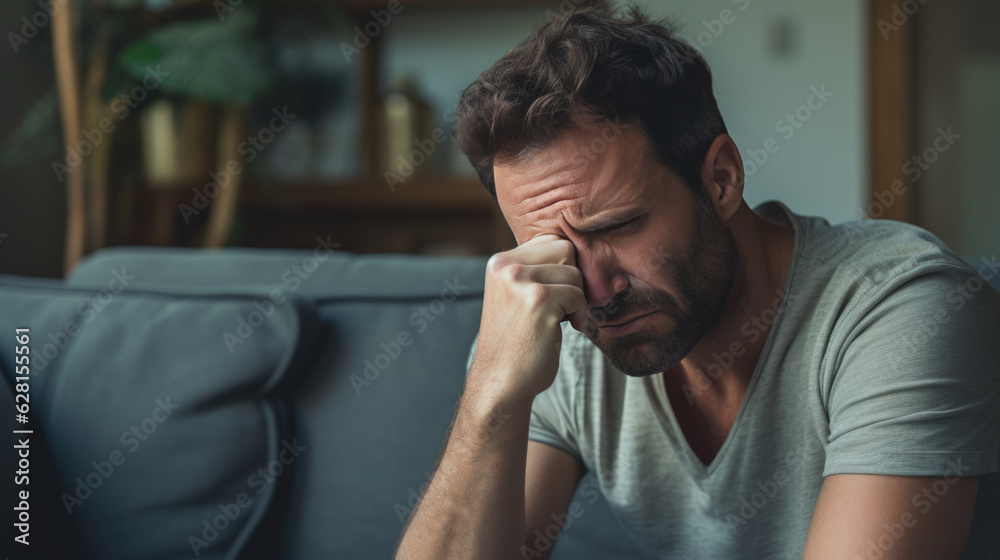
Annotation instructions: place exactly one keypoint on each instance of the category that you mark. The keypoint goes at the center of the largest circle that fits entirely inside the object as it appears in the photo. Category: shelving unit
(429, 212)
(424, 204)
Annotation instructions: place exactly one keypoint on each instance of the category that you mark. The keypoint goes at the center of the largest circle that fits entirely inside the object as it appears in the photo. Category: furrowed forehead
(566, 182)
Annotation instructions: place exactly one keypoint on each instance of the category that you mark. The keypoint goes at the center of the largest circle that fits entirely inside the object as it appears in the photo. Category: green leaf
(37, 136)
(216, 61)
(116, 81)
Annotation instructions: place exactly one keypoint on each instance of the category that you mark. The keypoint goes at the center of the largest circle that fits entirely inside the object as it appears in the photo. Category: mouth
(626, 326)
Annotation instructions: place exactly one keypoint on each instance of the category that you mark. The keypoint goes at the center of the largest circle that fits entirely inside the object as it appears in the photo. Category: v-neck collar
(656, 390)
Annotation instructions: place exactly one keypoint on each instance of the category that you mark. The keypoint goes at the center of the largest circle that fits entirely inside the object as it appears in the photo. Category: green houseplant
(198, 51)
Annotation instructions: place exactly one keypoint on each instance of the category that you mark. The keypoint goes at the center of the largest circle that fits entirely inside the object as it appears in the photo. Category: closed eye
(617, 226)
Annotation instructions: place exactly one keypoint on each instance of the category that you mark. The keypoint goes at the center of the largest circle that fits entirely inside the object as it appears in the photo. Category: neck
(718, 369)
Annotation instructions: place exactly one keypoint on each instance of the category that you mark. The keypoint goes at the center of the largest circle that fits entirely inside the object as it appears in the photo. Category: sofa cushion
(40, 522)
(168, 437)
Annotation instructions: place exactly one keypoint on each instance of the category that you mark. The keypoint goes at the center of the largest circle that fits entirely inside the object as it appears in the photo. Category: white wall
(979, 182)
(447, 49)
(819, 170)
(958, 79)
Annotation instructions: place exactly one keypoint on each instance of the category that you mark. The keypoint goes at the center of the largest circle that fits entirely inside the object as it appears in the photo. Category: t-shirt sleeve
(552, 412)
(917, 388)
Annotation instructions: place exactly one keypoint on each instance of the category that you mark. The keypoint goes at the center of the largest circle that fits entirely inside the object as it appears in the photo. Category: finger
(547, 249)
(542, 238)
(552, 274)
(578, 320)
(572, 305)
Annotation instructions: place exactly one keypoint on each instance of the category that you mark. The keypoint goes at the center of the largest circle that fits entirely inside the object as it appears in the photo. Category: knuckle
(496, 262)
(512, 272)
(515, 271)
(536, 293)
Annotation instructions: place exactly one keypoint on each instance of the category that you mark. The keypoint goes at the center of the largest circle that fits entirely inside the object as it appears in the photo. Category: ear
(722, 176)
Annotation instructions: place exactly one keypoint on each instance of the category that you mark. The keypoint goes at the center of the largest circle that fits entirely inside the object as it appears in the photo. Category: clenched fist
(530, 290)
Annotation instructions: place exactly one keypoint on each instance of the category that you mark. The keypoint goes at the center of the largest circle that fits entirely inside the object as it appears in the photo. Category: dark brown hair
(592, 64)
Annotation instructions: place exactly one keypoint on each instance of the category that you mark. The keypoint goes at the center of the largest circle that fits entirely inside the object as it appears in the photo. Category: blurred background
(209, 123)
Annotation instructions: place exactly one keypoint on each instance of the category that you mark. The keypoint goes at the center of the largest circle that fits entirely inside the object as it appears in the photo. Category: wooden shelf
(445, 193)
(366, 216)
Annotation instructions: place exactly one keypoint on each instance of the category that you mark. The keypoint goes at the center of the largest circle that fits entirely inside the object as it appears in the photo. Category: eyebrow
(604, 222)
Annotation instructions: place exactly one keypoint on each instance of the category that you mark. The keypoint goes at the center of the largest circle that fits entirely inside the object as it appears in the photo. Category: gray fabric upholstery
(150, 420)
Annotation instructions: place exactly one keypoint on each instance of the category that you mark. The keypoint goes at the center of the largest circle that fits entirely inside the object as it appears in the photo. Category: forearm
(474, 504)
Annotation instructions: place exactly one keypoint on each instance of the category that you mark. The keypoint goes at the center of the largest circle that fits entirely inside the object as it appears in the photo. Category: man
(746, 383)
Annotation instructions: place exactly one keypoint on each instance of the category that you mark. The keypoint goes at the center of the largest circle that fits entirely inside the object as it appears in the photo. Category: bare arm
(891, 517)
(474, 506)
(551, 479)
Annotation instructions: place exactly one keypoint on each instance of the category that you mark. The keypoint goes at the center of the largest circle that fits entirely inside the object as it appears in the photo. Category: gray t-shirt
(879, 358)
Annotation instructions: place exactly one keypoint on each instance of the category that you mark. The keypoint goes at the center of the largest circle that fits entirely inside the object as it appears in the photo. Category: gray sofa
(242, 404)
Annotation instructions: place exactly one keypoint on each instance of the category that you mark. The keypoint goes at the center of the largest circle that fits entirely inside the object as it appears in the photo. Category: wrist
(489, 398)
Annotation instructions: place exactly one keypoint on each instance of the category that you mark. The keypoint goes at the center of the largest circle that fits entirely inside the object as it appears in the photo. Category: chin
(640, 355)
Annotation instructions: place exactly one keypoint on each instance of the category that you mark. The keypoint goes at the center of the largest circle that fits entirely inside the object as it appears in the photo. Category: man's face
(657, 262)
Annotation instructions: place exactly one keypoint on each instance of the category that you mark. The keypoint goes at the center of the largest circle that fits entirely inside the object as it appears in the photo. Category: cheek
(662, 245)
(649, 257)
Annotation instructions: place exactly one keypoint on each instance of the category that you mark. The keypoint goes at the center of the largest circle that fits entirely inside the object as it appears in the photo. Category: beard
(703, 273)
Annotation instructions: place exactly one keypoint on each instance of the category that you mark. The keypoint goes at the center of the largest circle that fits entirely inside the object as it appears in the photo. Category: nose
(603, 278)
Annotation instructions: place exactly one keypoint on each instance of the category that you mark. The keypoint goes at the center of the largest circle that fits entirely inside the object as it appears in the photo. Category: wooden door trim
(891, 110)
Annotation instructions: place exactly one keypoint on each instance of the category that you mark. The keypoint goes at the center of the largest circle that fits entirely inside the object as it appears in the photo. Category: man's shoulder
(867, 256)
(853, 257)
(850, 275)
(885, 278)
